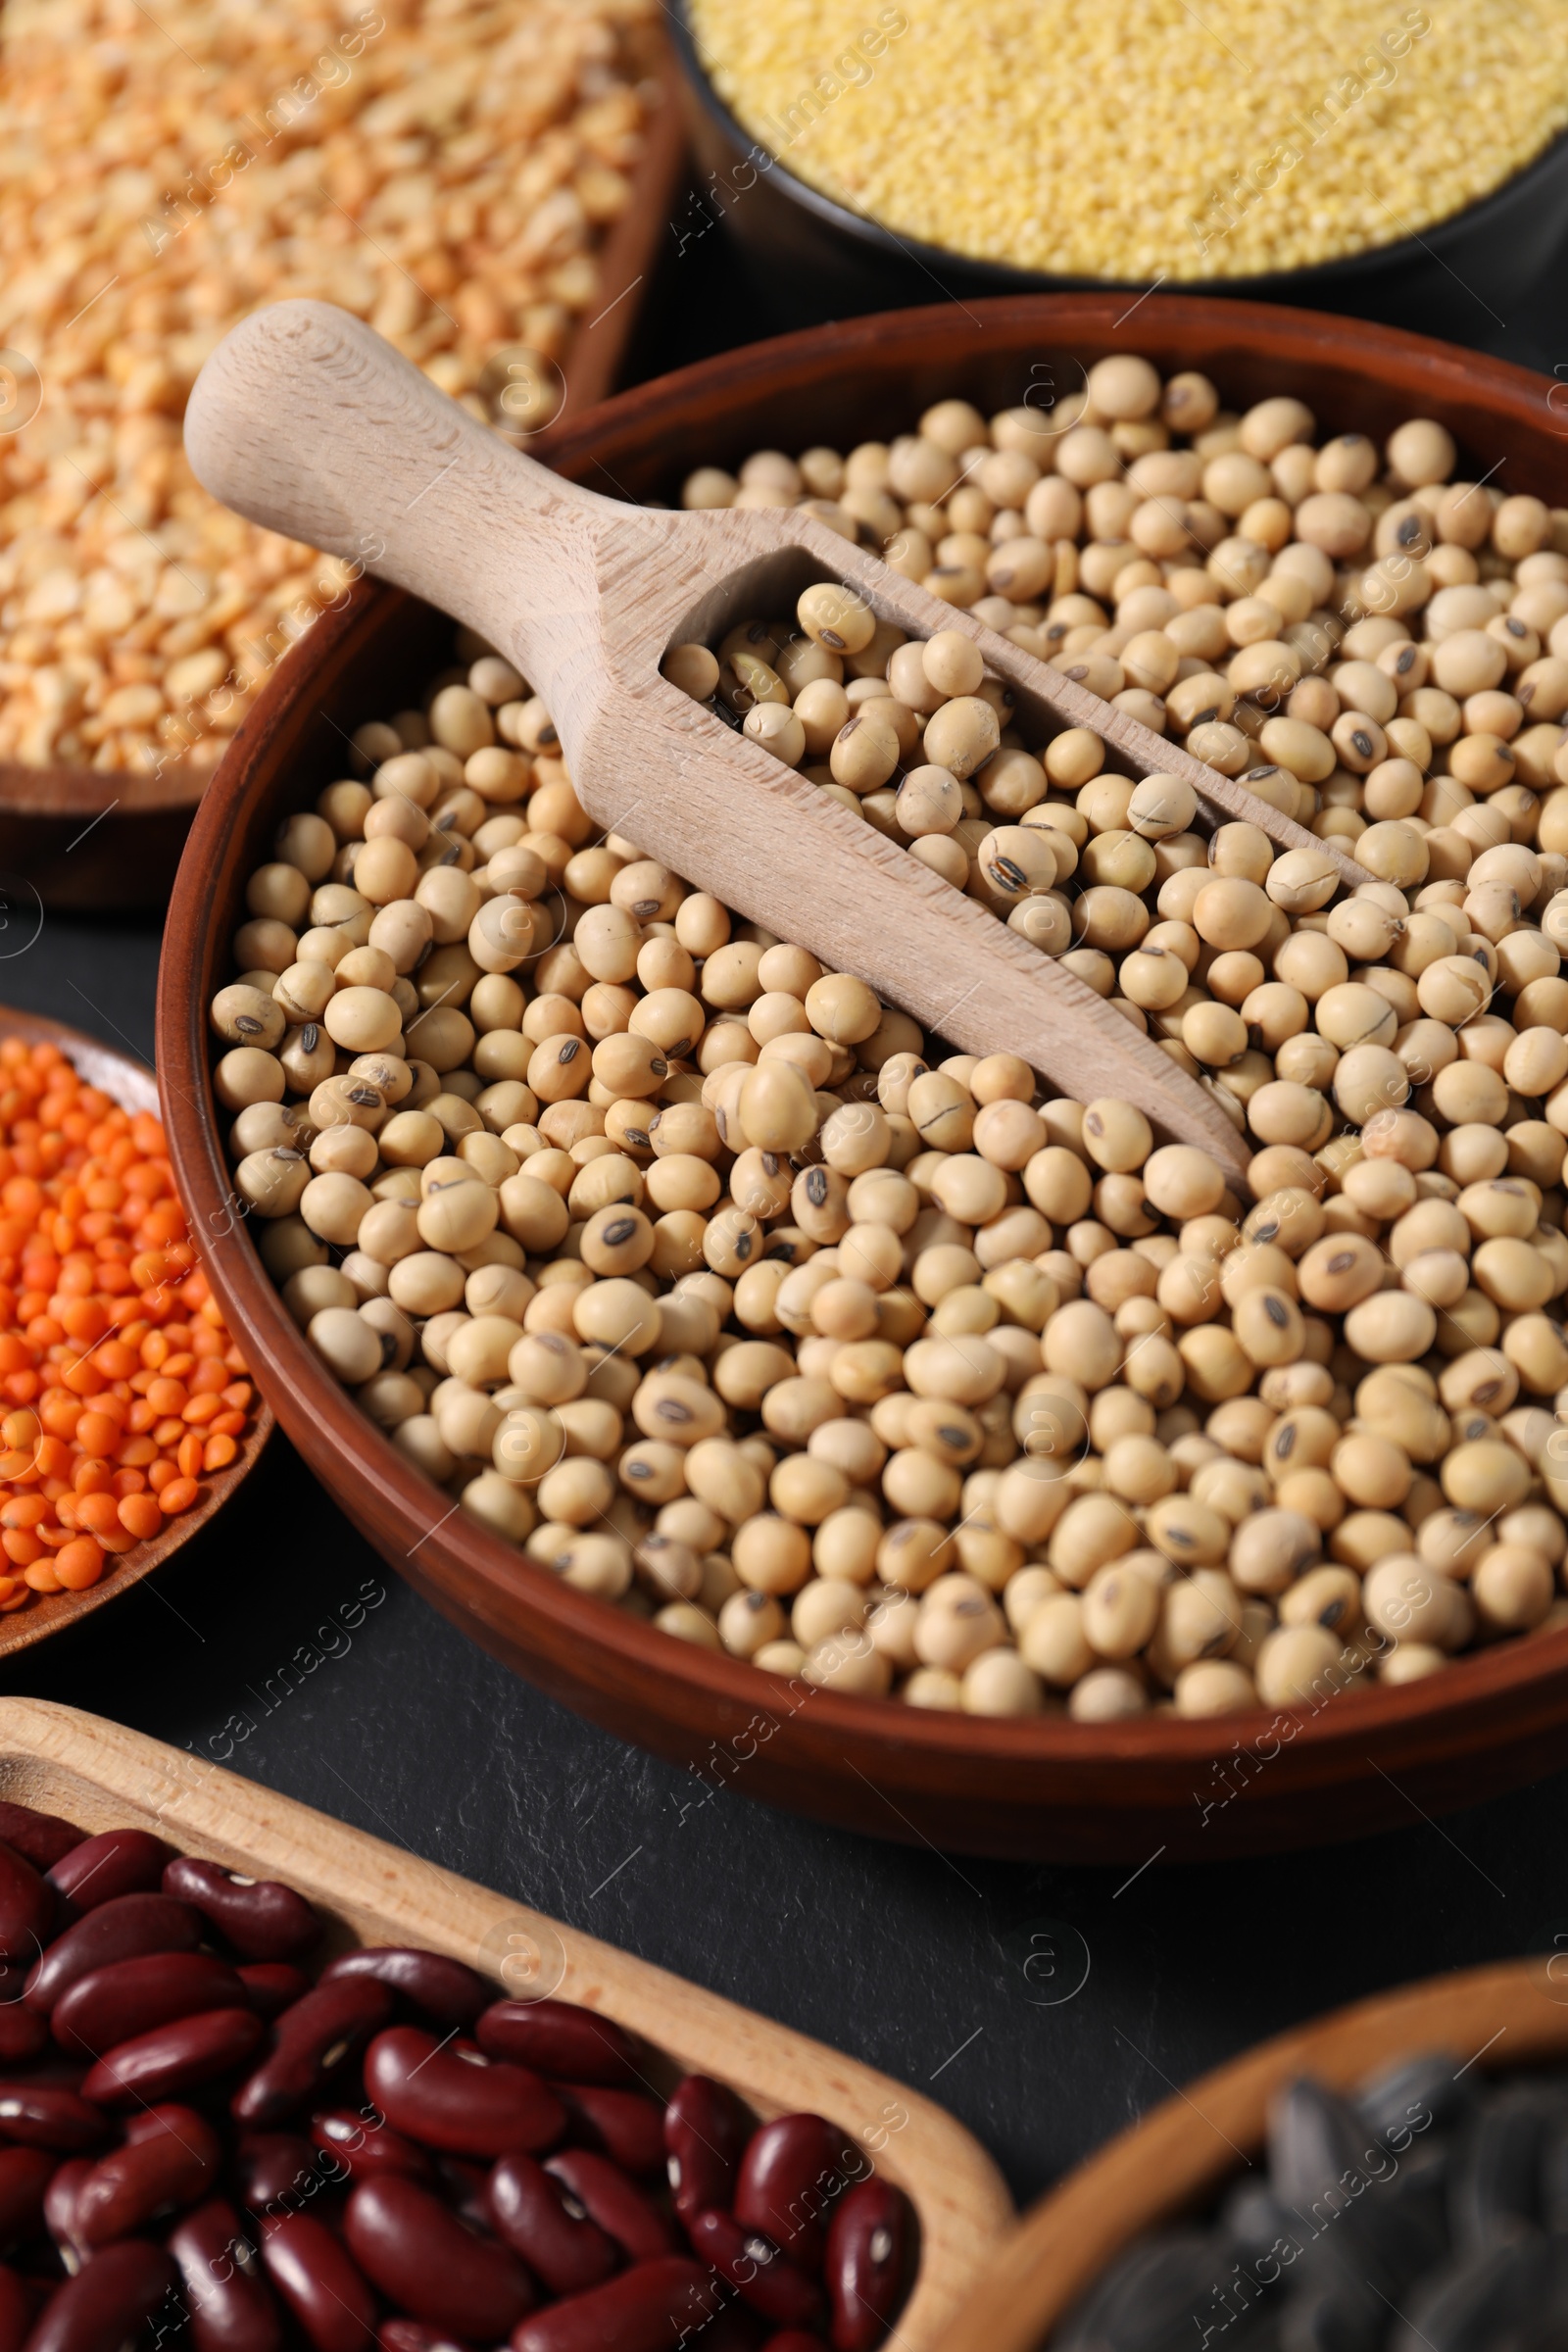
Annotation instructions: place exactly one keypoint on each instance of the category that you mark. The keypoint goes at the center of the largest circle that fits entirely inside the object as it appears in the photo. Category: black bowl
(811, 258)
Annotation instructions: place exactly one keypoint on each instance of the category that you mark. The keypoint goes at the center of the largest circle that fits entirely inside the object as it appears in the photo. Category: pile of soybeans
(727, 1295)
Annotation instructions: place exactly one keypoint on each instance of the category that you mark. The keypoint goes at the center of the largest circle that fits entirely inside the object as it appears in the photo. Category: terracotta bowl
(1049, 1789)
(1176, 2159)
(131, 1083)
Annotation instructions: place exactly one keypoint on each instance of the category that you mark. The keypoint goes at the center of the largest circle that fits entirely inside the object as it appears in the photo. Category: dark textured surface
(948, 1973)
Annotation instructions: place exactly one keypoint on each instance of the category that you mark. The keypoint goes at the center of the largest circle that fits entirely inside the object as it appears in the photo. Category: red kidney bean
(121, 1930)
(131, 1997)
(41, 1837)
(793, 2340)
(25, 2175)
(366, 2146)
(450, 2096)
(738, 2328)
(792, 2171)
(45, 2115)
(60, 2201)
(262, 1919)
(273, 1986)
(445, 1992)
(22, 2035)
(16, 2306)
(311, 2041)
(559, 2039)
(467, 2186)
(271, 2166)
(27, 1908)
(621, 2124)
(119, 1862)
(321, 2283)
(412, 2336)
(706, 2130)
(108, 2299)
(411, 2246)
(13, 1978)
(540, 2218)
(618, 2205)
(651, 2308)
(231, 2307)
(172, 2161)
(767, 2281)
(173, 2059)
(56, 2069)
(870, 2241)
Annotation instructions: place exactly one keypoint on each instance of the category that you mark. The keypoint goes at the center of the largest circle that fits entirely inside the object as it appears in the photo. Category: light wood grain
(101, 1775)
(308, 422)
(131, 1083)
(1175, 2160)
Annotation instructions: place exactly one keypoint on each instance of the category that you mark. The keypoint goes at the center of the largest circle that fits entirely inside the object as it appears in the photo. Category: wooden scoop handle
(306, 421)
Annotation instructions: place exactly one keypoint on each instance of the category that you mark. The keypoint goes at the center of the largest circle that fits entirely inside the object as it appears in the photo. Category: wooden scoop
(308, 422)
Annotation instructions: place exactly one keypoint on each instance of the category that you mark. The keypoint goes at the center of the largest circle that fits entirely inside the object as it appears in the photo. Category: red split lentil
(121, 1389)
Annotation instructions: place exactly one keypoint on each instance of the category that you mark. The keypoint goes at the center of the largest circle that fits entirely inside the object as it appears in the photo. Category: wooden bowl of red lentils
(127, 1416)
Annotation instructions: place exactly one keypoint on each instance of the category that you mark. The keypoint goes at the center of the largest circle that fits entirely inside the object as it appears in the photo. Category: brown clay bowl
(81, 841)
(100, 1775)
(1173, 2161)
(1045, 1789)
(131, 1083)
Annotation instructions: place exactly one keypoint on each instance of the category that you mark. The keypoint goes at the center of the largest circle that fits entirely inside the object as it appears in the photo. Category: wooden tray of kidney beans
(201, 2145)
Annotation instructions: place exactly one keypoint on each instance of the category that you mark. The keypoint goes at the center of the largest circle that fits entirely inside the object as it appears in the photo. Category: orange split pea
(121, 1389)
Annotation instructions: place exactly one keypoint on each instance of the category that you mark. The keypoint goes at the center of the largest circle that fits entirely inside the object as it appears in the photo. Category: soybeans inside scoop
(306, 421)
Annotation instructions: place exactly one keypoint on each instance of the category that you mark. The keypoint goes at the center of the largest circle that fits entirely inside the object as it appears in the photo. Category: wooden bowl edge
(1167, 2161)
(628, 256)
(53, 1612)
